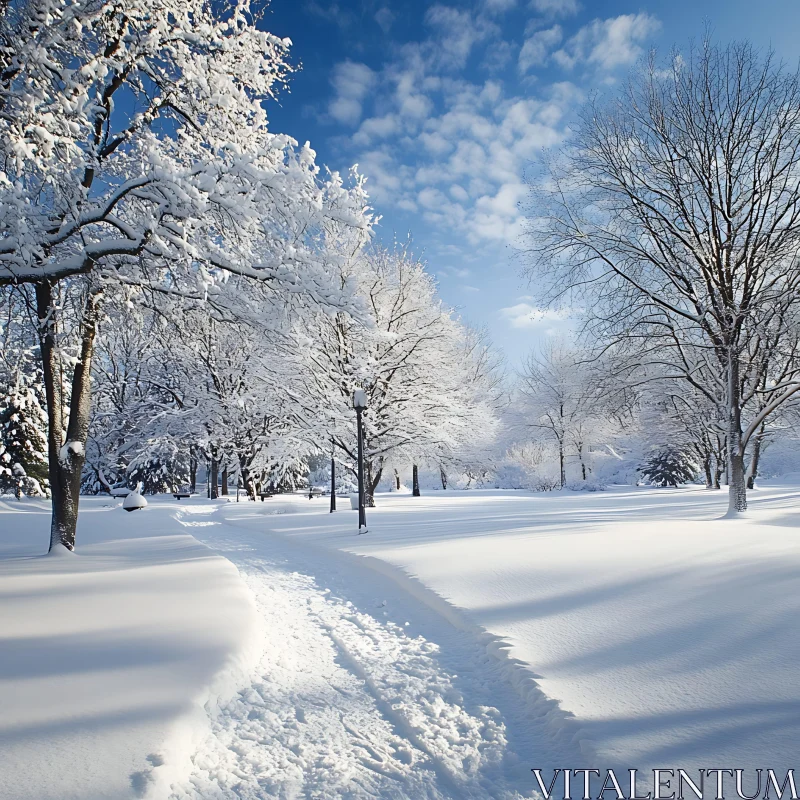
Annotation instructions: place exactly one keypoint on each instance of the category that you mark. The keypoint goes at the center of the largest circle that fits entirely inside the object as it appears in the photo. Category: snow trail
(307, 726)
(346, 703)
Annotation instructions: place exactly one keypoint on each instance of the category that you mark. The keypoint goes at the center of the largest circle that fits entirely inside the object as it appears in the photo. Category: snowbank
(108, 655)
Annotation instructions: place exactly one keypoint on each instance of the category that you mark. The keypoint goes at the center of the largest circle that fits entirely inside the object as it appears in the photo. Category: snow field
(468, 638)
(669, 633)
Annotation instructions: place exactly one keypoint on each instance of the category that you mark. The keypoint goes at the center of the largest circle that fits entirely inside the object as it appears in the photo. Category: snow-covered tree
(136, 153)
(672, 412)
(429, 387)
(563, 396)
(23, 441)
(669, 466)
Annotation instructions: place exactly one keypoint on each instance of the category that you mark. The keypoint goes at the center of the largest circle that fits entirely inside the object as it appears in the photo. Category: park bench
(183, 493)
(305, 493)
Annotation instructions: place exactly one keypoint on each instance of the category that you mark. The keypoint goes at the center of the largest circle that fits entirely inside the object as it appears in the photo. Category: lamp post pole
(333, 480)
(359, 404)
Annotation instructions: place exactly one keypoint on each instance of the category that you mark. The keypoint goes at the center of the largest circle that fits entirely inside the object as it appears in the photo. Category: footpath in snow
(147, 666)
(362, 691)
(668, 632)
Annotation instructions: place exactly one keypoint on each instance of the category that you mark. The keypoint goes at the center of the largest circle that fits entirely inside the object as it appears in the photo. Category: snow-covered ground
(467, 638)
(669, 633)
(108, 657)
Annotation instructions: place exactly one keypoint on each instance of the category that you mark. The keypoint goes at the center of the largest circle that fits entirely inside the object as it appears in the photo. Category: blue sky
(445, 105)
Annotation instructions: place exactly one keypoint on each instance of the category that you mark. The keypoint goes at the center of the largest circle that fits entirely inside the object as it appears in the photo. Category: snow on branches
(137, 134)
(137, 156)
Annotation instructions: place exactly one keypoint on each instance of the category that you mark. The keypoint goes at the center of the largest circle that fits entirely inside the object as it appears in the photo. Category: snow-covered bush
(586, 486)
(23, 442)
(669, 467)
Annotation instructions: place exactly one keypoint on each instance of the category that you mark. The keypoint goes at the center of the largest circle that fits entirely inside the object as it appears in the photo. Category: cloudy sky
(446, 105)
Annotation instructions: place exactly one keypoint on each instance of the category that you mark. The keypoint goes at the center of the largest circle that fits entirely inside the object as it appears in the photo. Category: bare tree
(675, 213)
(564, 397)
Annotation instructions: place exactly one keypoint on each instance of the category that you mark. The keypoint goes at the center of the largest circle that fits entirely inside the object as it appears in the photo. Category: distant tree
(563, 397)
(428, 379)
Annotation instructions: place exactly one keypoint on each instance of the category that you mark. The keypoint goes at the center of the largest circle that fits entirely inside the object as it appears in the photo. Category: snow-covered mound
(134, 501)
(109, 654)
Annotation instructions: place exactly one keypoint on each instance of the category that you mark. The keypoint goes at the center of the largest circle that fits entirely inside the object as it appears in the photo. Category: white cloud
(432, 199)
(498, 55)
(404, 204)
(376, 128)
(537, 48)
(351, 82)
(524, 315)
(498, 6)
(562, 8)
(610, 42)
(505, 203)
(458, 32)
(459, 193)
(452, 150)
(435, 143)
(332, 12)
(385, 17)
(413, 104)
(462, 169)
(386, 179)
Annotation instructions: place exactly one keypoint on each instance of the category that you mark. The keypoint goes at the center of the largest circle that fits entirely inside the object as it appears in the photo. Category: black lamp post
(359, 404)
(333, 480)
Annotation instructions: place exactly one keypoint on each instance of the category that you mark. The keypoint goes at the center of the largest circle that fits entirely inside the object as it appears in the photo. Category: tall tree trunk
(214, 485)
(225, 481)
(66, 452)
(707, 470)
(192, 473)
(248, 479)
(249, 485)
(443, 476)
(415, 481)
(720, 459)
(397, 480)
(737, 485)
(562, 470)
(371, 481)
(752, 469)
(580, 458)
